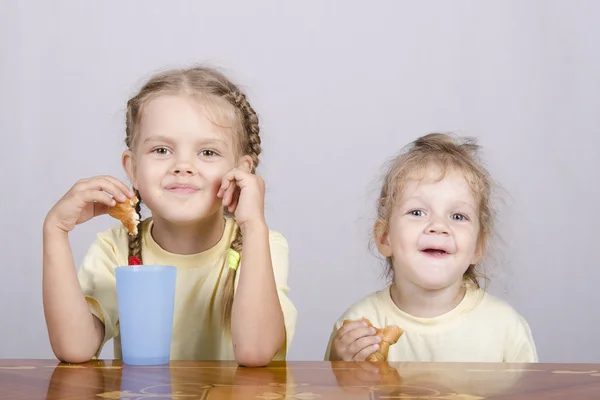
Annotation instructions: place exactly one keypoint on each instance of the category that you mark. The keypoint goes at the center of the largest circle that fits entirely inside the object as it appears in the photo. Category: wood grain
(48, 379)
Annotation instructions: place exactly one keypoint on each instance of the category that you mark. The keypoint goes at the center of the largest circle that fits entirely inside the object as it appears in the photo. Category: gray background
(340, 87)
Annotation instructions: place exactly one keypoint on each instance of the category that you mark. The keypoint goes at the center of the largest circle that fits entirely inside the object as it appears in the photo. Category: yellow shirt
(482, 328)
(197, 332)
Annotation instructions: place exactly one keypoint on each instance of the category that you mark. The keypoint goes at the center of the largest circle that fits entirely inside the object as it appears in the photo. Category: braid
(135, 241)
(250, 124)
(251, 146)
(229, 285)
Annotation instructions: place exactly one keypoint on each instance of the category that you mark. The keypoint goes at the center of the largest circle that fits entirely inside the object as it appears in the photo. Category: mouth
(182, 188)
(435, 252)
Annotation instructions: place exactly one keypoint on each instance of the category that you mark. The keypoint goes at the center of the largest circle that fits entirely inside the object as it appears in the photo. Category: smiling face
(433, 229)
(179, 159)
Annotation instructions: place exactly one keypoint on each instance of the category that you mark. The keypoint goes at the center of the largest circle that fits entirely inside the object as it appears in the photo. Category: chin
(429, 285)
(185, 215)
(436, 282)
(186, 219)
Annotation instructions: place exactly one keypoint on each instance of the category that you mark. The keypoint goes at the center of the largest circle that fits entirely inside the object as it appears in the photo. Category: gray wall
(340, 86)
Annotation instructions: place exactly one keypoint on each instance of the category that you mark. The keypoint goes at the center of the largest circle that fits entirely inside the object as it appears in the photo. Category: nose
(183, 167)
(437, 227)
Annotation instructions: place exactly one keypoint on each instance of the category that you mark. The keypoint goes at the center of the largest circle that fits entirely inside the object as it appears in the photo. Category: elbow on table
(253, 358)
(68, 354)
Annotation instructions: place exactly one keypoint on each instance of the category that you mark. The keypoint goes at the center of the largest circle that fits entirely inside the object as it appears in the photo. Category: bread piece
(389, 336)
(125, 212)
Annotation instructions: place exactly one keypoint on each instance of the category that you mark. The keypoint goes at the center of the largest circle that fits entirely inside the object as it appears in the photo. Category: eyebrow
(468, 205)
(161, 138)
(460, 202)
(157, 139)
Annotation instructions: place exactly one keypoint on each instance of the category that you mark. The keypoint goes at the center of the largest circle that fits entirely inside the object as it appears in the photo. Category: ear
(382, 238)
(245, 163)
(128, 162)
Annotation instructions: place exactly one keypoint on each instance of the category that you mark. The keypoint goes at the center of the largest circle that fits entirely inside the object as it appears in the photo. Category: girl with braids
(434, 224)
(193, 146)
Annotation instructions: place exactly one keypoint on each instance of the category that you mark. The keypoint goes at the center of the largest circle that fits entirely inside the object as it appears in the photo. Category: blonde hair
(446, 152)
(218, 95)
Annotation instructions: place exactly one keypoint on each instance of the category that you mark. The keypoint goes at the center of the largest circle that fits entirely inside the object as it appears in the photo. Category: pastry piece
(389, 336)
(125, 212)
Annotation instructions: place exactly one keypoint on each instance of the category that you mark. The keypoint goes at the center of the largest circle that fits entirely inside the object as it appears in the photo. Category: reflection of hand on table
(354, 376)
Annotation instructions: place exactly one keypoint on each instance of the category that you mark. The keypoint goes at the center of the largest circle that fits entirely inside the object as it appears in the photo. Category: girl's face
(433, 230)
(179, 160)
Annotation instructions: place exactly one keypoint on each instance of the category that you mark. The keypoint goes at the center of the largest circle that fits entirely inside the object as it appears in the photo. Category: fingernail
(378, 338)
(376, 346)
(372, 330)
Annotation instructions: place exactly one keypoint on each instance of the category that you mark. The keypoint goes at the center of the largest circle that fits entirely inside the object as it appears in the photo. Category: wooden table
(182, 380)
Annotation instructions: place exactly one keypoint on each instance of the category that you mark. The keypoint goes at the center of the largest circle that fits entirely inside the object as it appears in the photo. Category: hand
(354, 341)
(243, 194)
(88, 198)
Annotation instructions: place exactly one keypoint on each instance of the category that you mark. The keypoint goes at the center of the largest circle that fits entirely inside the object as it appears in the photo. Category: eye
(208, 153)
(417, 213)
(459, 217)
(163, 151)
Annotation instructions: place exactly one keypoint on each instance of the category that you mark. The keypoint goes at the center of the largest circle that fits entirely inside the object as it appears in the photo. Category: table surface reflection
(49, 379)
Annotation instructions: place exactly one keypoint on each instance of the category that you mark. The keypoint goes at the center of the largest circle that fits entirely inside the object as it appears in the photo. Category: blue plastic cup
(146, 301)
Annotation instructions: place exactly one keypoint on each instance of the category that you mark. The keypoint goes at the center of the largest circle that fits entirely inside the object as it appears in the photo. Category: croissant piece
(125, 212)
(389, 336)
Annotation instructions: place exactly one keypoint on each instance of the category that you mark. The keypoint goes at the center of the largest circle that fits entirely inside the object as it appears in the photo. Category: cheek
(145, 167)
(214, 177)
(404, 234)
(145, 175)
(467, 239)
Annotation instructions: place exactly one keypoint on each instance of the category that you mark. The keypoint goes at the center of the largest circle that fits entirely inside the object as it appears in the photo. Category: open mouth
(435, 252)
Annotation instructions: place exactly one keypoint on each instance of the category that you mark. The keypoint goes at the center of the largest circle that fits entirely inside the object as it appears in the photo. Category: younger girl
(192, 148)
(433, 227)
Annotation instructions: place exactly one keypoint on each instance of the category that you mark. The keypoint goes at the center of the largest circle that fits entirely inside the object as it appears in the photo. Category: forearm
(75, 334)
(257, 325)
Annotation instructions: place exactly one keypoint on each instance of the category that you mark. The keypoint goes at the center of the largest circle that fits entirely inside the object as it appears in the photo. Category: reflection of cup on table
(146, 383)
(146, 300)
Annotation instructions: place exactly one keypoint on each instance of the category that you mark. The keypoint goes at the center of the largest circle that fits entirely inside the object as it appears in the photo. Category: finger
(237, 175)
(362, 343)
(366, 352)
(125, 188)
(357, 333)
(96, 196)
(228, 196)
(123, 191)
(103, 184)
(350, 326)
(225, 183)
(234, 201)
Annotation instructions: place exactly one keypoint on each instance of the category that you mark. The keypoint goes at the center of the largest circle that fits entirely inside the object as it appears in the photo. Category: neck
(424, 303)
(190, 238)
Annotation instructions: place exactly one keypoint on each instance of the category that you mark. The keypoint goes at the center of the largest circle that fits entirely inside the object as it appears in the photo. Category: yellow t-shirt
(197, 332)
(482, 328)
